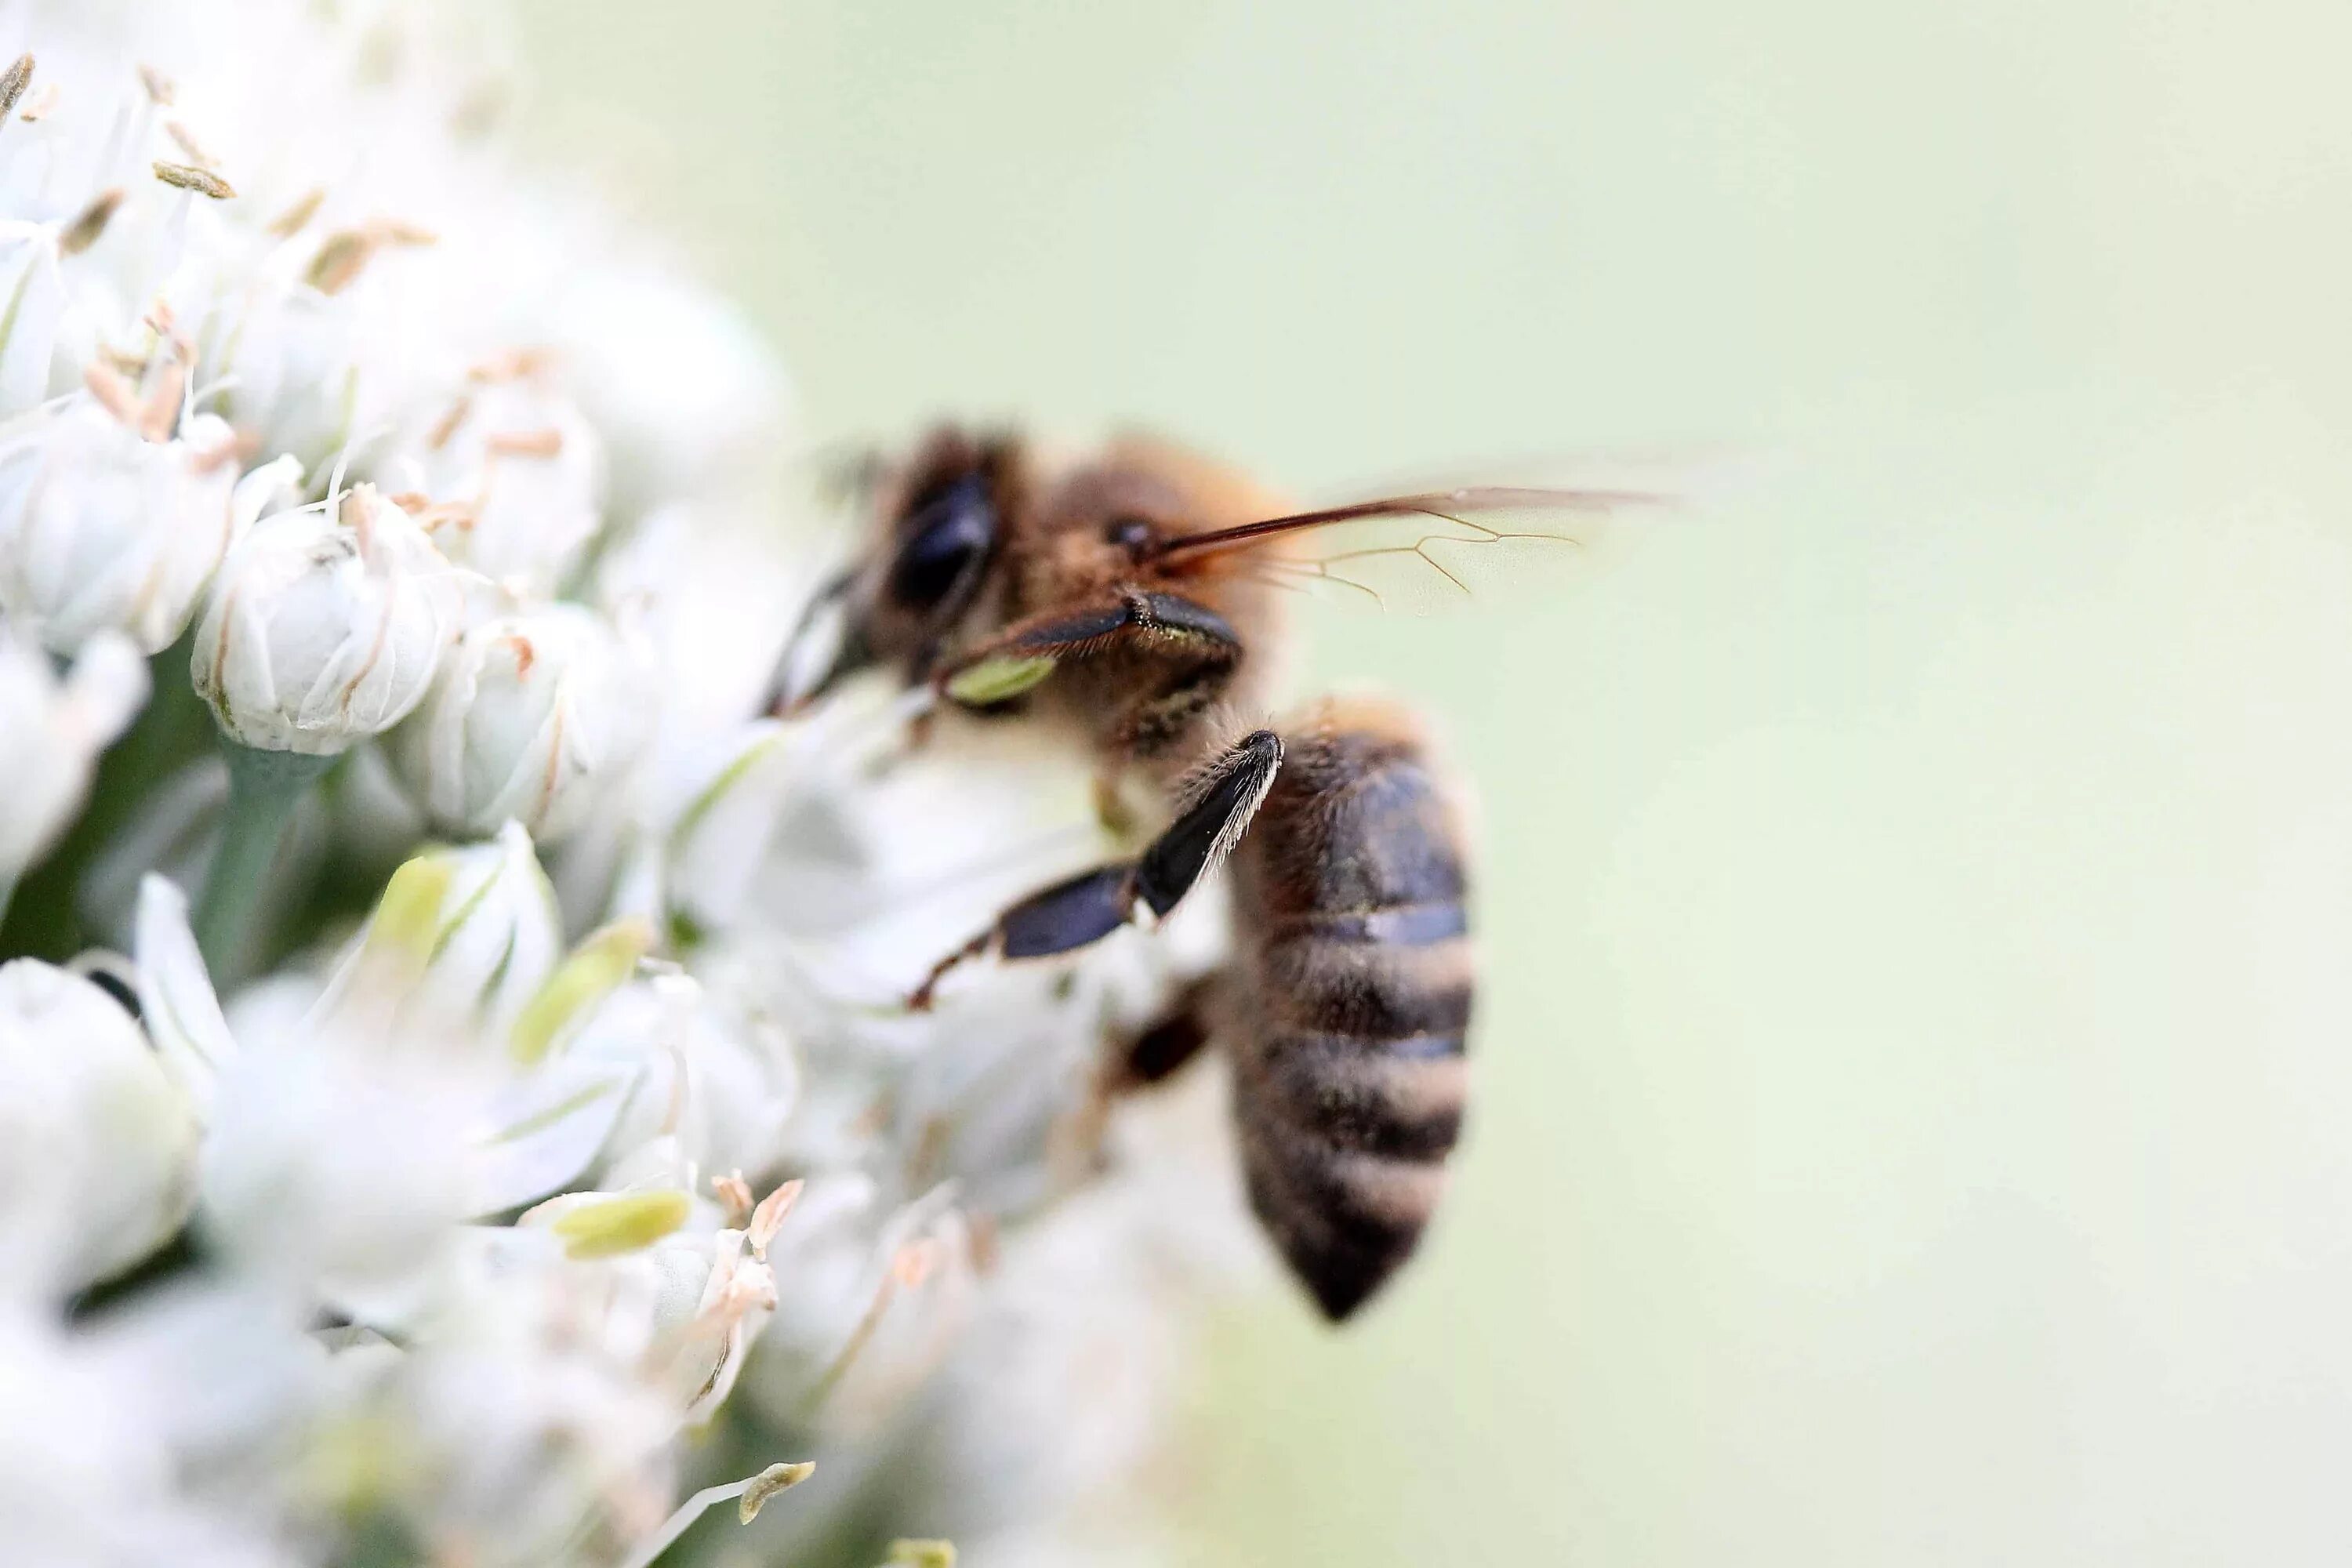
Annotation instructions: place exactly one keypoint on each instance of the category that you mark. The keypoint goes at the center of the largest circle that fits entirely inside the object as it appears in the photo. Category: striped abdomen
(1354, 985)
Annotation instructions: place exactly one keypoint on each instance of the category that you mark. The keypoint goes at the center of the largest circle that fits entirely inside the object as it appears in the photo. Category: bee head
(936, 527)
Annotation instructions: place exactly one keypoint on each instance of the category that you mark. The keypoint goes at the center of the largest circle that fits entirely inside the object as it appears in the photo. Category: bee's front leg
(1088, 907)
(1190, 651)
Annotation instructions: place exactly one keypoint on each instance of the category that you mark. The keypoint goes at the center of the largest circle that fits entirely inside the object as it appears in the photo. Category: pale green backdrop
(1916, 1083)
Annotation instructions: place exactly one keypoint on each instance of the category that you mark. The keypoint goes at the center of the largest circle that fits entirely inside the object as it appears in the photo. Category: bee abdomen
(1356, 992)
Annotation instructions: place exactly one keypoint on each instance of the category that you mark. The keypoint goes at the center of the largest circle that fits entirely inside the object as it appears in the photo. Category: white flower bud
(102, 529)
(55, 729)
(96, 1143)
(531, 714)
(305, 370)
(516, 476)
(321, 632)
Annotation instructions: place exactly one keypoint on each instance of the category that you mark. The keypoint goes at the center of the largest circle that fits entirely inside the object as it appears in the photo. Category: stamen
(82, 233)
(755, 1491)
(446, 427)
(439, 515)
(547, 443)
(228, 449)
(984, 1241)
(358, 514)
(516, 364)
(160, 88)
(162, 409)
(13, 81)
(185, 140)
(768, 1483)
(343, 257)
(916, 1260)
(769, 1218)
(289, 223)
(43, 105)
(734, 1196)
(908, 1268)
(115, 394)
(204, 181)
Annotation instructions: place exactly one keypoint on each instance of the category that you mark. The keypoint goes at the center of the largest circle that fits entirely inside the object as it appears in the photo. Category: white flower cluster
(560, 1147)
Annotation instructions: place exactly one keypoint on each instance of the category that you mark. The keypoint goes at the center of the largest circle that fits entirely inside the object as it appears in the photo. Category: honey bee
(1130, 598)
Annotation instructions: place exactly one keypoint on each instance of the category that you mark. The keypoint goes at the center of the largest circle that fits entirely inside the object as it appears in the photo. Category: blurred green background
(1913, 1120)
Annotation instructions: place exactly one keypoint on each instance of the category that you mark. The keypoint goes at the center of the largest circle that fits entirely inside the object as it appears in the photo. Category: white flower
(617, 1066)
(526, 1408)
(55, 729)
(321, 631)
(32, 303)
(726, 802)
(335, 1163)
(303, 369)
(677, 381)
(703, 1338)
(87, 1461)
(877, 1300)
(96, 1141)
(362, 1124)
(336, 1148)
(107, 527)
(516, 476)
(539, 1132)
(532, 712)
(724, 1087)
(496, 938)
(700, 1297)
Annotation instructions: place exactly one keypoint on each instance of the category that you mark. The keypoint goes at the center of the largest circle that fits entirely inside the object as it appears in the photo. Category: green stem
(264, 788)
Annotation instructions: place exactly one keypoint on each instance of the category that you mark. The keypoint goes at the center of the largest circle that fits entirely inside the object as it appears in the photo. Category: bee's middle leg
(1134, 1063)
(1088, 907)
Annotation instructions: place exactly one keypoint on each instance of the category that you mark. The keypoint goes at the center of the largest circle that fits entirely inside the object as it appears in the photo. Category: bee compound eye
(952, 529)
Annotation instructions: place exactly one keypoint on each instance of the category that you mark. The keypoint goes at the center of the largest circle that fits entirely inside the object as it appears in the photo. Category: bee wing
(1416, 554)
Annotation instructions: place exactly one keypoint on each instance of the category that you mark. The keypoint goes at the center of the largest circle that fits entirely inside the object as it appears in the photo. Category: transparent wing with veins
(1419, 553)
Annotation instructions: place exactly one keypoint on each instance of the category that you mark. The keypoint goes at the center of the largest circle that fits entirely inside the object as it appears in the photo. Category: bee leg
(1088, 907)
(1196, 644)
(827, 645)
(1164, 1048)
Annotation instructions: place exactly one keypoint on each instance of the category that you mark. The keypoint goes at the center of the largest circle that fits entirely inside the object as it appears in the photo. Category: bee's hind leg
(1133, 1064)
(1088, 907)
